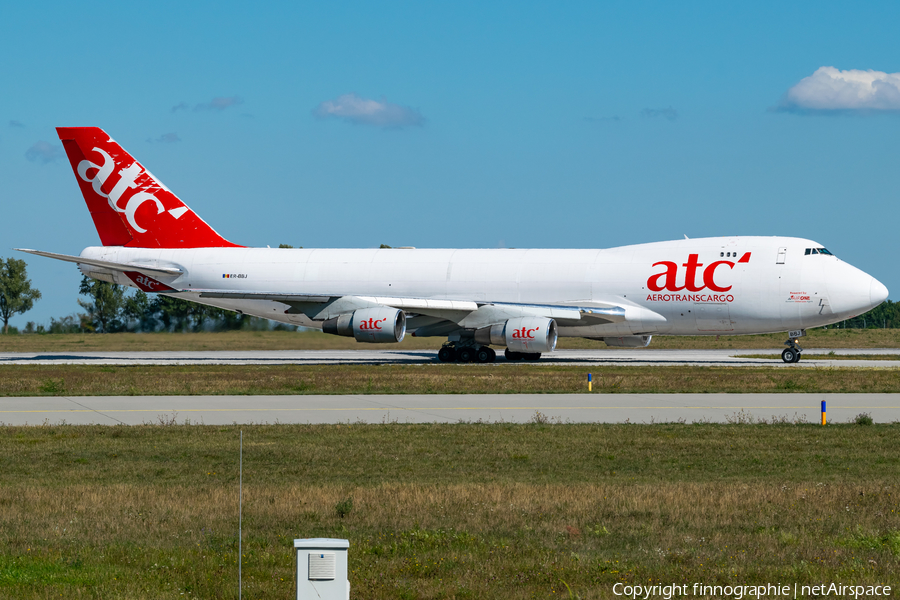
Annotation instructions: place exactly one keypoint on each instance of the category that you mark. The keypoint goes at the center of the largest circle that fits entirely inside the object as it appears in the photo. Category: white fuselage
(738, 285)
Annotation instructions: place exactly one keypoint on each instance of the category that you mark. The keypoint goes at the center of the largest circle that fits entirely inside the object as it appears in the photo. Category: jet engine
(382, 325)
(629, 341)
(522, 334)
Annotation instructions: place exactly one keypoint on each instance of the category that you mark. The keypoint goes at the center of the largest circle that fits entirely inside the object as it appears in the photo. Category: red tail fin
(130, 207)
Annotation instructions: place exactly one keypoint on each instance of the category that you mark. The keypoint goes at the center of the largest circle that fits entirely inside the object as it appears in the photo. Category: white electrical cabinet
(322, 569)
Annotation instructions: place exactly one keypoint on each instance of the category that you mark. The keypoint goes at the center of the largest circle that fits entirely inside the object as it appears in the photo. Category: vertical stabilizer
(130, 207)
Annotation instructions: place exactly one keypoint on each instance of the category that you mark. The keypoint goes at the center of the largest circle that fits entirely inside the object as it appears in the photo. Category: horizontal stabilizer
(105, 264)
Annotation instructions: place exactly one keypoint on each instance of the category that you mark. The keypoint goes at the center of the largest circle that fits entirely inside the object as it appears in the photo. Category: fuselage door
(713, 317)
(781, 253)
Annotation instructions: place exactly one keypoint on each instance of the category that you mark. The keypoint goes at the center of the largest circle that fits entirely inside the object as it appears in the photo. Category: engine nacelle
(374, 325)
(629, 341)
(522, 334)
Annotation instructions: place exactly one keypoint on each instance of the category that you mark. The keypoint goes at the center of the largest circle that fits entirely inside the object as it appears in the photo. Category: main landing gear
(791, 354)
(454, 352)
(466, 354)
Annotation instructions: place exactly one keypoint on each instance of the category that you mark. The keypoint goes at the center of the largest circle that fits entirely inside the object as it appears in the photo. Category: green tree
(138, 311)
(886, 315)
(176, 314)
(16, 294)
(105, 305)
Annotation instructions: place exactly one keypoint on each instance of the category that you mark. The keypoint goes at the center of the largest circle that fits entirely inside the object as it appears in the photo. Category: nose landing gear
(791, 354)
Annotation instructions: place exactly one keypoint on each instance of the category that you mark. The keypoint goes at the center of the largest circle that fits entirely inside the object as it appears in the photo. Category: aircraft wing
(464, 313)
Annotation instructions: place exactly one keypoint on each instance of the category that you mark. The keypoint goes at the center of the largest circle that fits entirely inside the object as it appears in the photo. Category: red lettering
(668, 279)
(691, 266)
(372, 323)
(670, 275)
(710, 273)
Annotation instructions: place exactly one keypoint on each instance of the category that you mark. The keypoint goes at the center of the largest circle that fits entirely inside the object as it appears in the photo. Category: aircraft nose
(877, 292)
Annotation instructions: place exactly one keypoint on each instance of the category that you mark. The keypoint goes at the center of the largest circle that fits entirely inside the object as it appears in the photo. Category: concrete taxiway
(438, 408)
(634, 357)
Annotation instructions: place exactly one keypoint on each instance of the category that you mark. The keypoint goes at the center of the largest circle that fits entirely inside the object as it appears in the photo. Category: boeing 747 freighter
(520, 300)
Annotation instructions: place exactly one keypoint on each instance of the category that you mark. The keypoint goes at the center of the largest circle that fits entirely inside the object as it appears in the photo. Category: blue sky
(460, 124)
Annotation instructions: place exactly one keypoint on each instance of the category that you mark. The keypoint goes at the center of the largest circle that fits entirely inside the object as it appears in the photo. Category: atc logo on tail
(127, 180)
(130, 207)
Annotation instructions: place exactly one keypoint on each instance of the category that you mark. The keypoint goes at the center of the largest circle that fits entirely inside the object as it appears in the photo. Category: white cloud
(44, 152)
(831, 90)
(669, 113)
(218, 104)
(166, 138)
(364, 111)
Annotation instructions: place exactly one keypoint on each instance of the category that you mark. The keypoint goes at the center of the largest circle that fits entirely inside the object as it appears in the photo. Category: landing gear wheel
(465, 355)
(447, 354)
(510, 355)
(531, 356)
(792, 353)
(789, 355)
(485, 355)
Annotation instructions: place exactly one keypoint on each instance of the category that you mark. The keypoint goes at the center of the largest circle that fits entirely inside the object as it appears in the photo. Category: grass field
(316, 340)
(78, 380)
(446, 511)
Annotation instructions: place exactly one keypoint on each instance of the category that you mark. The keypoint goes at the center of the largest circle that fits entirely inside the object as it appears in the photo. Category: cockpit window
(824, 251)
(817, 251)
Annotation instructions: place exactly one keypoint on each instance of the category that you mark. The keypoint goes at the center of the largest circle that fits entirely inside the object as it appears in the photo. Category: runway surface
(634, 357)
(515, 408)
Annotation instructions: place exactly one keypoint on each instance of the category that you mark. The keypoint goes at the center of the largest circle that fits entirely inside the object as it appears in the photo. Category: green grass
(446, 511)
(81, 380)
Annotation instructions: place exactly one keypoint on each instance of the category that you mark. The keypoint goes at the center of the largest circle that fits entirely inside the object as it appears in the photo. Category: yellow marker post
(589, 382)
(823, 412)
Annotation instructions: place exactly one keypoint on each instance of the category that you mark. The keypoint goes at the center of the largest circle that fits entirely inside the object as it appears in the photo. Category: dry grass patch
(79, 380)
(446, 511)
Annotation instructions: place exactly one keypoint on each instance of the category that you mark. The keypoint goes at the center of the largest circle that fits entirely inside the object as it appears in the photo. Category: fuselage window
(721, 254)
